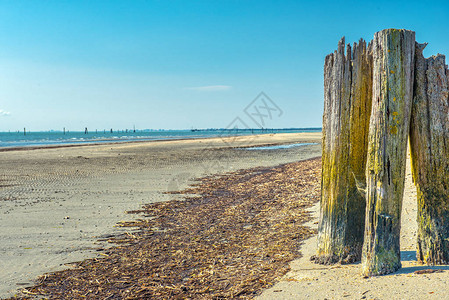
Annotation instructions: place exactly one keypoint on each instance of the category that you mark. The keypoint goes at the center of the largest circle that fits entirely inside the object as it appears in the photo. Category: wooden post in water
(347, 107)
(429, 136)
(393, 52)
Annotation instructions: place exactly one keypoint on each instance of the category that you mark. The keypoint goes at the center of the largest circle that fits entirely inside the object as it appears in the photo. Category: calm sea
(51, 138)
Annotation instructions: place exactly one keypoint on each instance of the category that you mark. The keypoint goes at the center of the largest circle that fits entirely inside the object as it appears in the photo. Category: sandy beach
(58, 203)
(191, 149)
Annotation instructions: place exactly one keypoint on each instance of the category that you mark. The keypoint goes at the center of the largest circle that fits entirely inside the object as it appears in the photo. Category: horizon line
(165, 129)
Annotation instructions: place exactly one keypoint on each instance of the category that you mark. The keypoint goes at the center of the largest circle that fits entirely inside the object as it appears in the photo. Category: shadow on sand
(411, 256)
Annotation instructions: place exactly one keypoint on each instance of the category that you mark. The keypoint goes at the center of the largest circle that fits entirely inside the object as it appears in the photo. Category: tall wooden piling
(393, 52)
(429, 138)
(347, 106)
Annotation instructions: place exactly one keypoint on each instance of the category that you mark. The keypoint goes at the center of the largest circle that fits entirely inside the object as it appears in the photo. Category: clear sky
(183, 64)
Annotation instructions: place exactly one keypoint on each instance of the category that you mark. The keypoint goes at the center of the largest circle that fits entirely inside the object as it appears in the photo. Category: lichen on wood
(429, 139)
(393, 53)
(347, 105)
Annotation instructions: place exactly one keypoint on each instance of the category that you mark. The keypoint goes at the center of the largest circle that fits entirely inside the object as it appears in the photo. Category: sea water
(277, 147)
(54, 138)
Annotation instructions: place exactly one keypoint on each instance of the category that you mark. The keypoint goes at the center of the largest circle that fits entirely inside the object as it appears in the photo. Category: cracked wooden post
(347, 106)
(429, 136)
(393, 52)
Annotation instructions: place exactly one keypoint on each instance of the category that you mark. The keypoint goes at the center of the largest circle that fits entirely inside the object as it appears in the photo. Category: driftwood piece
(429, 141)
(393, 52)
(347, 105)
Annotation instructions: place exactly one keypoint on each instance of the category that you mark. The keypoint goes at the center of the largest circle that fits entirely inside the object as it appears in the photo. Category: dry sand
(307, 280)
(56, 203)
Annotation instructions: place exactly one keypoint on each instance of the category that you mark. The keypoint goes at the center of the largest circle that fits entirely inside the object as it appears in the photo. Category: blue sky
(182, 64)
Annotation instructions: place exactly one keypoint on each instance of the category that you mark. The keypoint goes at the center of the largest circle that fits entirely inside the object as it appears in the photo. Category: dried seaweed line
(232, 241)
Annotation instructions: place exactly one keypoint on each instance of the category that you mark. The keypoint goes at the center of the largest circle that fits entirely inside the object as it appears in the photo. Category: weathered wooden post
(347, 106)
(393, 52)
(429, 137)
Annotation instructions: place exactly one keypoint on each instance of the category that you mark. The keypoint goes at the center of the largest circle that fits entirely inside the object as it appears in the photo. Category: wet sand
(57, 203)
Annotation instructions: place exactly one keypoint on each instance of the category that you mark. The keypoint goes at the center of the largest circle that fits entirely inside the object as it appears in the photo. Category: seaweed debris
(230, 241)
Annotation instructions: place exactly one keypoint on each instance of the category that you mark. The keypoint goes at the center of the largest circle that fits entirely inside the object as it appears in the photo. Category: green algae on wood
(393, 64)
(347, 105)
(429, 139)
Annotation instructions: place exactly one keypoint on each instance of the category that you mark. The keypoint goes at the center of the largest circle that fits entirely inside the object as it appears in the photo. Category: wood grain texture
(429, 141)
(393, 65)
(347, 105)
